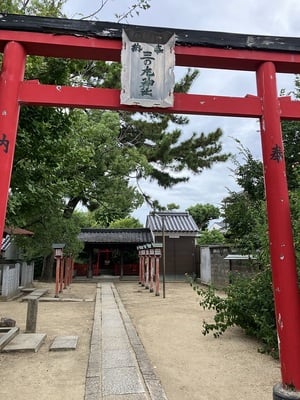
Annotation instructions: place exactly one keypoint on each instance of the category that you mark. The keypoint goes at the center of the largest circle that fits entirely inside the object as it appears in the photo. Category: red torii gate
(23, 35)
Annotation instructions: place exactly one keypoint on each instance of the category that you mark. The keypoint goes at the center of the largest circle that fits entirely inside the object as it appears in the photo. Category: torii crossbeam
(24, 35)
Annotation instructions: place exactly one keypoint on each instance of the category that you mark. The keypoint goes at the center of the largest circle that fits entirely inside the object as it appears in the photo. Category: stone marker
(32, 310)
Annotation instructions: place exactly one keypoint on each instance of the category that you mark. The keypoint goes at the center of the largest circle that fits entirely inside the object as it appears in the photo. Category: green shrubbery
(248, 303)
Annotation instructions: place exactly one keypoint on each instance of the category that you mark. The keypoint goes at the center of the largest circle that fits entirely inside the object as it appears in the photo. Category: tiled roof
(8, 231)
(5, 243)
(173, 222)
(134, 235)
(17, 231)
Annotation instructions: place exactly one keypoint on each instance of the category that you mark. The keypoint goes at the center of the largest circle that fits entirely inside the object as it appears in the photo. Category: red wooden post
(147, 262)
(65, 278)
(98, 263)
(72, 270)
(12, 74)
(143, 267)
(285, 281)
(61, 277)
(157, 261)
(151, 260)
(57, 275)
(140, 267)
(67, 272)
(140, 264)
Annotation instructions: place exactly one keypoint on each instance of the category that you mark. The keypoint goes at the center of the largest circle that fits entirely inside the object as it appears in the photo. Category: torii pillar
(12, 74)
(284, 271)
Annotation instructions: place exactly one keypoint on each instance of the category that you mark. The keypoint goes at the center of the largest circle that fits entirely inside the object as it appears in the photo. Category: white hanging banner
(148, 60)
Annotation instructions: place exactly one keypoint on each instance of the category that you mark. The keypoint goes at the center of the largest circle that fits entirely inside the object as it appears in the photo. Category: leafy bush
(248, 303)
(211, 237)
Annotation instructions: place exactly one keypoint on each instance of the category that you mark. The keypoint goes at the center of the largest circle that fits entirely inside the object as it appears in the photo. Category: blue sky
(264, 17)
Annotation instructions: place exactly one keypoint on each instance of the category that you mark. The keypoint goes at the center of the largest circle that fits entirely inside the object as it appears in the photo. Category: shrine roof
(125, 236)
(112, 30)
(172, 221)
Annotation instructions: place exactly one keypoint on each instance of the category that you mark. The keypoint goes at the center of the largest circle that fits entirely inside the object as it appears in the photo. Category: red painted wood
(12, 73)
(244, 60)
(32, 93)
(88, 48)
(266, 105)
(64, 46)
(289, 109)
(285, 287)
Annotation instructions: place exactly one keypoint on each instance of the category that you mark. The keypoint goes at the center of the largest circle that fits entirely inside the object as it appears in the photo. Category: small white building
(14, 271)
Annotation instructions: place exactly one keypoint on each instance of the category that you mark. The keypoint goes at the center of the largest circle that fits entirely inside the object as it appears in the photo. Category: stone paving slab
(121, 381)
(26, 342)
(118, 358)
(60, 299)
(132, 396)
(36, 294)
(118, 343)
(118, 367)
(153, 384)
(6, 335)
(62, 343)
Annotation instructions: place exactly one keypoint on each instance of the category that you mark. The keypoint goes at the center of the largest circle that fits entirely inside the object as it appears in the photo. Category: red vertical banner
(282, 252)
(12, 74)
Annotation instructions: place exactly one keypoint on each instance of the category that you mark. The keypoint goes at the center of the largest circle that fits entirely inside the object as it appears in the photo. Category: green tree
(167, 153)
(213, 236)
(291, 141)
(246, 223)
(249, 301)
(172, 206)
(66, 158)
(244, 211)
(47, 8)
(203, 213)
(128, 222)
(98, 169)
(249, 173)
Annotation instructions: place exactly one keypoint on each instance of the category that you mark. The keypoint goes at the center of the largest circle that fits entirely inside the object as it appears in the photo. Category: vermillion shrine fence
(149, 266)
(266, 56)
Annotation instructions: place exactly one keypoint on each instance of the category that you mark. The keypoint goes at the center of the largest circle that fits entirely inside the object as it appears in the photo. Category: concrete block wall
(216, 271)
(12, 276)
(219, 266)
(10, 280)
(27, 272)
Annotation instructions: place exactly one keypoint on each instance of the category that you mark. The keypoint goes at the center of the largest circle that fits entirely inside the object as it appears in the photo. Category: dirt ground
(190, 366)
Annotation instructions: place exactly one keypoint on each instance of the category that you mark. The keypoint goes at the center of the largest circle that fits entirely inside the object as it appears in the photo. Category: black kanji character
(4, 142)
(136, 47)
(277, 153)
